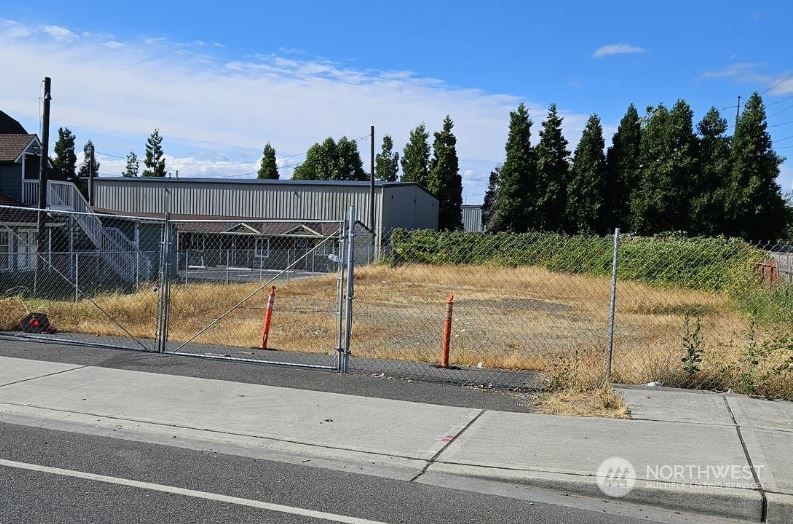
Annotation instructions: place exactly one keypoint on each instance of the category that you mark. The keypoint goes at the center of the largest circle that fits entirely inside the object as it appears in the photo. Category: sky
(219, 80)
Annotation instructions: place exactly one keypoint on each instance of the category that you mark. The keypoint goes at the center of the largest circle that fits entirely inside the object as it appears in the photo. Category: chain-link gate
(92, 276)
(255, 290)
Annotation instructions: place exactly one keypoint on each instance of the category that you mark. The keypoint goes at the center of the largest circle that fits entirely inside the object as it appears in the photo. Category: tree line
(658, 175)
(436, 169)
(65, 161)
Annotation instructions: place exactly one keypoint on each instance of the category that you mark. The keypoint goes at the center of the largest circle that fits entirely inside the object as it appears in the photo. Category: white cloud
(207, 108)
(742, 71)
(617, 49)
(782, 85)
(60, 34)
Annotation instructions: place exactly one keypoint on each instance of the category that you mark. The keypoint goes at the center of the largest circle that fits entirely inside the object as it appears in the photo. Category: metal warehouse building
(397, 205)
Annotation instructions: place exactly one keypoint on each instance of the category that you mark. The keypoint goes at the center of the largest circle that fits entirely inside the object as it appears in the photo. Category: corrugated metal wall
(472, 219)
(407, 206)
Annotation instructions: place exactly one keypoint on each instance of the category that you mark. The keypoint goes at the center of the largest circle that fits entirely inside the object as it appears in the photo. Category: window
(26, 250)
(197, 241)
(5, 251)
(262, 248)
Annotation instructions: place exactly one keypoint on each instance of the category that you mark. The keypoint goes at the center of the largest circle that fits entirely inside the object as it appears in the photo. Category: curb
(780, 508)
(723, 502)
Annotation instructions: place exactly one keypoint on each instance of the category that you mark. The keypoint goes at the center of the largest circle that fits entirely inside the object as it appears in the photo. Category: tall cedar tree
(552, 174)
(668, 157)
(710, 185)
(445, 181)
(133, 166)
(490, 204)
(416, 157)
(268, 168)
(587, 188)
(84, 166)
(331, 160)
(65, 160)
(154, 161)
(622, 167)
(387, 161)
(517, 194)
(755, 206)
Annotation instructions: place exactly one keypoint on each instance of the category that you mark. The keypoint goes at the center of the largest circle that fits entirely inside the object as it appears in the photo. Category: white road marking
(188, 493)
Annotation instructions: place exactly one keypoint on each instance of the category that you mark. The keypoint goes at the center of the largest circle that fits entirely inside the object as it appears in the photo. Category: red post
(447, 331)
(268, 315)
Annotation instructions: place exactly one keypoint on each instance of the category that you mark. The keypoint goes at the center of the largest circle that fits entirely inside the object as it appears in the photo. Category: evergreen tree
(490, 204)
(65, 160)
(755, 207)
(517, 195)
(268, 168)
(132, 165)
(330, 160)
(622, 167)
(552, 174)
(445, 181)
(154, 161)
(586, 191)
(387, 161)
(668, 158)
(84, 166)
(710, 185)
(416, 157)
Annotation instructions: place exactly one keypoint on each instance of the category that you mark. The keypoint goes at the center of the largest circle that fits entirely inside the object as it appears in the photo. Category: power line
(779, 101)
(783, 139)
(782, 124)
(788, 108)
(787, 77)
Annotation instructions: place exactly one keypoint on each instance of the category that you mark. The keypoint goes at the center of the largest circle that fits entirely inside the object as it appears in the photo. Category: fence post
(340, 299)
(76, 277)
(227, 266)
(162, 309)
(350, 287)
(613, 302)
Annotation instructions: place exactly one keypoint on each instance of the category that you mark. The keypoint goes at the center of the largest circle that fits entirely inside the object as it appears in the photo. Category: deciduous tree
(387, 161)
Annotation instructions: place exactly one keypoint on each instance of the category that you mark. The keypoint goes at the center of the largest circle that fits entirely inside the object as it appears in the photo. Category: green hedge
(672, 260)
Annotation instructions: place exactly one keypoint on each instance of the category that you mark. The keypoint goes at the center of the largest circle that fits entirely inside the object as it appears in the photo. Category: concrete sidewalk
(690, 451)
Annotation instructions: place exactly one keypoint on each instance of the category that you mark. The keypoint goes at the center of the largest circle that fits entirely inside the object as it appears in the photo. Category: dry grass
(600, 402)
(508, 318)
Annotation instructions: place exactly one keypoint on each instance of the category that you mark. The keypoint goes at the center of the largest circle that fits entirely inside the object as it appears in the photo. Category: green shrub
(697, 263)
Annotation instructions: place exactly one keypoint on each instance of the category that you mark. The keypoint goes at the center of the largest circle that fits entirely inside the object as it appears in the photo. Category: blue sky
(221, 79)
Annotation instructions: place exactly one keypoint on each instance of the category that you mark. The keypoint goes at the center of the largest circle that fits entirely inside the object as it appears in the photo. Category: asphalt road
(158, 475)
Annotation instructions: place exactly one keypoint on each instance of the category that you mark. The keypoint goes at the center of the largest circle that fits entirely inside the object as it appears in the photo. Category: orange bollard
(447, 331)
(268, 315)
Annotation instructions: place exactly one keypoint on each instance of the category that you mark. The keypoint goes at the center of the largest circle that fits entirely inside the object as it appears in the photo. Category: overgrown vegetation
(711, 264)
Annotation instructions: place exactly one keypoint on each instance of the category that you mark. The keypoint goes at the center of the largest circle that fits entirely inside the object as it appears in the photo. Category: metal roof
(253, 181)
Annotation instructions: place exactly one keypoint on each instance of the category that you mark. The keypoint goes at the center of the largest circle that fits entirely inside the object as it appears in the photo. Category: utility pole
(91, 175)
(371, 187)
(737, 112)
(41, 239)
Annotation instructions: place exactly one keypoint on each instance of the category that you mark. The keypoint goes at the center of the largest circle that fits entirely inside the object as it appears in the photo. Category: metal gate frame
(345, 290)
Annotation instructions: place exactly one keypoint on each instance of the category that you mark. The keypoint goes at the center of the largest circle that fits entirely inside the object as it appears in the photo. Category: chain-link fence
(526, 310)
(92, 277)
(227, 272)
(535, 308)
